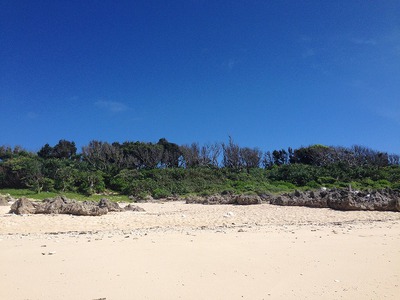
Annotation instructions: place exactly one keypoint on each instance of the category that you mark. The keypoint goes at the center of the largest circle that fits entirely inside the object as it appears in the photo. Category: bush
(161, 193)
(313, 184)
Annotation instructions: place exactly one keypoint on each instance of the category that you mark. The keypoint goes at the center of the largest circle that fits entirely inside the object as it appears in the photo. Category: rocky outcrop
(309, 199)
(211, 200)
(384, 200)
(219, 199)
(247, 199)
(23, 206)
(63, 205)
(225, 199)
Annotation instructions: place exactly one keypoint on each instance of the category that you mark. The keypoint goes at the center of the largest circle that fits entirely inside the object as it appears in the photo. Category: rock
(131, 207)
(58, 205)
(63, 205)
(297, 193)
(308, 199)
(384, 200)
(266, 197)
(22, 206)
(247, 199)
(146, 198)
(225, 199)
(86, 208)
(195, 200)
(111, 206)
(211, 200)
(219, 199)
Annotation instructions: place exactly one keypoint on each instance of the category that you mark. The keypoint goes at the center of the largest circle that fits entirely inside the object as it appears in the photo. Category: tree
(140, 155)
(190, 155)
(280, 157)
(209, 155)
(368, 157)
(315, 155)
(250, 158)
(171, 153)
(91, 182)
(267, 160)
(27, 172)
(394, 159)
(231, 155)
(5, 152)
(46, 152)
(64, 149)
(103, 156)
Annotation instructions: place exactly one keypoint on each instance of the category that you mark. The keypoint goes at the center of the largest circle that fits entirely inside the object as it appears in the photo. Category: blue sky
(271, 74)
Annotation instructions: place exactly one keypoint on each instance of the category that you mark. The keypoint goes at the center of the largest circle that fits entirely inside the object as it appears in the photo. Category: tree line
(165, 168)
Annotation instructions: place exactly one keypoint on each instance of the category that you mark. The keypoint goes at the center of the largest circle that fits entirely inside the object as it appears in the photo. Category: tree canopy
(166, 168)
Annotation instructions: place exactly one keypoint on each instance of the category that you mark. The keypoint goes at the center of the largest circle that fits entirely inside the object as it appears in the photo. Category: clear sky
(271, 74)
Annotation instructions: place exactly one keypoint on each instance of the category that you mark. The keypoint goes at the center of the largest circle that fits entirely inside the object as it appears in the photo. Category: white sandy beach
(190, 251)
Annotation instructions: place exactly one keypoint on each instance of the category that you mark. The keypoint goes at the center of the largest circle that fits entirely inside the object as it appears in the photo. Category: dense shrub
(164, 169)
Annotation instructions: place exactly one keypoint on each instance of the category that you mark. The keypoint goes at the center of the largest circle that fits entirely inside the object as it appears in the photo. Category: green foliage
(91, 182)
(18, 193)
(166, 169)
(298, 174)
(161, 193)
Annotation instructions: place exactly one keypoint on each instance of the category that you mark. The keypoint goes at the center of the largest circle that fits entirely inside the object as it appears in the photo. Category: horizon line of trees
(102, 165)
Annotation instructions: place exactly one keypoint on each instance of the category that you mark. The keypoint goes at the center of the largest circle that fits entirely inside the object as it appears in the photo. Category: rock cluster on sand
(225, 199)
(383, 200)
(63, 205)
(309, 199)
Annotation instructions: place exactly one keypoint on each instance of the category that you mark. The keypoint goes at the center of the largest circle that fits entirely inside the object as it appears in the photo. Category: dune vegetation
(165, 169)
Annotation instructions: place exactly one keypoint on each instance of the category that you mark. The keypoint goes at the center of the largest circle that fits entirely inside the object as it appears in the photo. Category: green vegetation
(165, 169)
(18, 193)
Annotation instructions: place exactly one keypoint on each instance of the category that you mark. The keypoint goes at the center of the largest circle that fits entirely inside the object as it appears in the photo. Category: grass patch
(18, 193)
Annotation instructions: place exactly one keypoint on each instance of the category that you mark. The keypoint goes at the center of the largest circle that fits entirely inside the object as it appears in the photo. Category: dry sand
(188, 251)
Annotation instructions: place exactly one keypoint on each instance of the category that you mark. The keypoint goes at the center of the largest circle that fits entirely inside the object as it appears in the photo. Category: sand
(189, 251)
